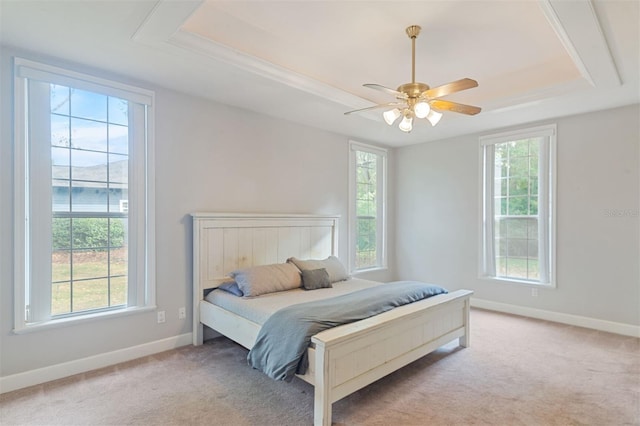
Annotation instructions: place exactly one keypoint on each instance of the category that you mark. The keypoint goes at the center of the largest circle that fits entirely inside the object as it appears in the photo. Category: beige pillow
(332, 264)
(264, 279)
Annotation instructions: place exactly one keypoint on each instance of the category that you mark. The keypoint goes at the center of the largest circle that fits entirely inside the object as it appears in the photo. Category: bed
(342, 359)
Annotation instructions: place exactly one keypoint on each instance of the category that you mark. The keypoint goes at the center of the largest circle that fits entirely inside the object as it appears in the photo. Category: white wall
(598, 255)
(209, 157)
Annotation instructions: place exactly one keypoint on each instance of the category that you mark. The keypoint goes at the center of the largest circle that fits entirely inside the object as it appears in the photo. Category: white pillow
(332, 264)
(264, 279)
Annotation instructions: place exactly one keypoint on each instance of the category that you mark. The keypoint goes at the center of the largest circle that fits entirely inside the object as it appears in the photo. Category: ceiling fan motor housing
(413, 90)
(416, 96)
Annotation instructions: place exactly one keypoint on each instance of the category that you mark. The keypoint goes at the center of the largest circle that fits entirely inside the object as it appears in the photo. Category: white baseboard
(66, 369)
(580, 321)
(58, 371)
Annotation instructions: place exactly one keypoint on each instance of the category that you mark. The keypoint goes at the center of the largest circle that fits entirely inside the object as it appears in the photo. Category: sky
(89, 122)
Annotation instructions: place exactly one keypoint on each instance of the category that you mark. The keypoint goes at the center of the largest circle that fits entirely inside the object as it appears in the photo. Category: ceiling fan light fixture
(391, 116)
(434, 117)
(421, 109)
(406, 125)
(417, 99)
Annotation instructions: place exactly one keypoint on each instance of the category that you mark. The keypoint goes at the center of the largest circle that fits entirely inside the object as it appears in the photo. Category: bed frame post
(198, 333)
(465, 340)
(322, 392)
(198, 329)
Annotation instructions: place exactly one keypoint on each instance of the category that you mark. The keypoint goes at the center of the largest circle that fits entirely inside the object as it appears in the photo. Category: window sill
(522, 283)
(64, 322)
(372, 269)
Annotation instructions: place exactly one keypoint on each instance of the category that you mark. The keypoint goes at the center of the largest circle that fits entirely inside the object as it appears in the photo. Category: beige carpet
(518, 371)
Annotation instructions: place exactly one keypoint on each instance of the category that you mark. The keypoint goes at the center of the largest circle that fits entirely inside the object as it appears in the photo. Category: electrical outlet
(534, 292)
(161, 317)
(182, 313)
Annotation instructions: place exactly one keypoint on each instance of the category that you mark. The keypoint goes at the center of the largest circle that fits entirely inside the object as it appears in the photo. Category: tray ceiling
(306, 61)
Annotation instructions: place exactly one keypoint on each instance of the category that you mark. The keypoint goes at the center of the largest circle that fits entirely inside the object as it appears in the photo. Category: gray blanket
(280, 350)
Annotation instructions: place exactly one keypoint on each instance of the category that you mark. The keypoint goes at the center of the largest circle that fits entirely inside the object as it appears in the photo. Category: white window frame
(381, 207)
(546, 204)
(32, 267)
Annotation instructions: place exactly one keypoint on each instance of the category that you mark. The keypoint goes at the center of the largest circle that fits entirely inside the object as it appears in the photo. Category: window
(84, 196)
(368, 168)
(518, 187)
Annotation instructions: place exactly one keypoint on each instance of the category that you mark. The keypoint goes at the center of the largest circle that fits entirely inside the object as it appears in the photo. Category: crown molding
(218, 51)
(577, 26)
(164, 20)
(162, 29)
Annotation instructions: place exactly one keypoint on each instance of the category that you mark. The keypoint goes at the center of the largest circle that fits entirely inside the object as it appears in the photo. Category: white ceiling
(306, 61)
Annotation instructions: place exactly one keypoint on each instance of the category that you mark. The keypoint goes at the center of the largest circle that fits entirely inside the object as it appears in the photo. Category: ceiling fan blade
(454, 86)
(390, 104)
(455, 107)
(386, 89)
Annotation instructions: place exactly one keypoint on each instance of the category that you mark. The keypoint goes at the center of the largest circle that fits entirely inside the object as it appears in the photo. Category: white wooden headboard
(223, 242)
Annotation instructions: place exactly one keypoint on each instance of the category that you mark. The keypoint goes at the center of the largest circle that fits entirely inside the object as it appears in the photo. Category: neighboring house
(91, 189)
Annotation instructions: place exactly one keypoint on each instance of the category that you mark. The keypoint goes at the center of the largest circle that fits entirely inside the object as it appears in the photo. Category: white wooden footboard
(350, 357)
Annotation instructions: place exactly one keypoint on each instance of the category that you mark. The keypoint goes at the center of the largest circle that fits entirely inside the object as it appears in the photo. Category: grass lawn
(519, 268)
(98, 279)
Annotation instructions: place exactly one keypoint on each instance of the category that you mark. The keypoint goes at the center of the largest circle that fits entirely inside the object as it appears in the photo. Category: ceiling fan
(418, 99)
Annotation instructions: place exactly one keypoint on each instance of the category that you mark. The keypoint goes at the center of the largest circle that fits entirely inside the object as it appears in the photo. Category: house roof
(92, 176)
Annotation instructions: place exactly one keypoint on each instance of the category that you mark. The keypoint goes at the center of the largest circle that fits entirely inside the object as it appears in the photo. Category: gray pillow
(264, 279)
(231, 287)
(313, 279)
(332, 264)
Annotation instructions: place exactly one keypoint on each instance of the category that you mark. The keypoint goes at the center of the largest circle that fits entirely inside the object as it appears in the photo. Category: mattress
(258, 309)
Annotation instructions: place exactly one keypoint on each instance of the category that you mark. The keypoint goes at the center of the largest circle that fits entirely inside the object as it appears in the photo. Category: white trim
(552, 213)
(81, 318)
(367, 270)
(556, 24)
(576, 25)
(150, 206)
(28, 77)
(82, 365)
(31, 70)
(382, 257)
(570, 319)
(351, 228)
(263, 68)
(162, 28)
(547, 130)
(261, 216)
(546, 207)
(20, 244)
(514, 281)
(359, 146)
(164, 20)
